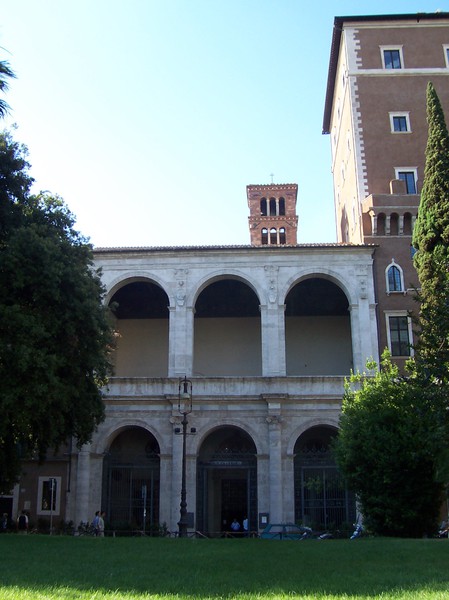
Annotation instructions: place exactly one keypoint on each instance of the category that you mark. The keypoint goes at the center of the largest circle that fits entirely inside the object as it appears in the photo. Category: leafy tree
(390, 449)
(54, 330)
(431, 240)
(5, 74)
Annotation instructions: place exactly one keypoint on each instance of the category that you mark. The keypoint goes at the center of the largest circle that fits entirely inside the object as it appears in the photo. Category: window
(263, 207)
(282, 239)
(282, 206)
(273, 236)
(399, 334)
(410, 178)
(48, 495)
(400, 123)
(392, 58)
(394, 278)
(264, 237)
(446, 54)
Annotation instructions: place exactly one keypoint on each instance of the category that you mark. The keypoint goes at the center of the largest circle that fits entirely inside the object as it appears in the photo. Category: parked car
(285, 531)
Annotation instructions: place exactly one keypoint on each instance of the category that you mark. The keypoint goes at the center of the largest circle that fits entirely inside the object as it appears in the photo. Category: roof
(335, 49)
(161, 249)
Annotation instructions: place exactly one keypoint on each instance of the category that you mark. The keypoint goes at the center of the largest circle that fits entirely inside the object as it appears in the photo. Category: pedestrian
(4, 523)
(95, 522)
(235, 526)
(22, 523)
(101, 524)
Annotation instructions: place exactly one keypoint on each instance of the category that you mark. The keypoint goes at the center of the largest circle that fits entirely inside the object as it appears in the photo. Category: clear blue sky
(150, 117)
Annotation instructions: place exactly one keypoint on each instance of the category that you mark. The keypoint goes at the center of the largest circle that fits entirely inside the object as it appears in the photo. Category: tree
(6, 73)
(390, 448)
(54, 330)
(431, 241)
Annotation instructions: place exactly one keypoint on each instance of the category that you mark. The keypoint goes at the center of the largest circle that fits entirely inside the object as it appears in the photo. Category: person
(235, 526)
(245, 526)
(22, 523)
(95, 522)
(4, 523)
(101, 524)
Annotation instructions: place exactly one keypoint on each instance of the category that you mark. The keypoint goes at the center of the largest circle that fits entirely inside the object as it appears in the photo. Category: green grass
(63, 568)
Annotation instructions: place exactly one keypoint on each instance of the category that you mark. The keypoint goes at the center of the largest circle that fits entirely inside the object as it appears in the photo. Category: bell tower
(272, 214)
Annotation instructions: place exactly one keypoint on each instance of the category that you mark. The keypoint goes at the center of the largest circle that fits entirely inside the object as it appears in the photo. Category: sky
(150, 117)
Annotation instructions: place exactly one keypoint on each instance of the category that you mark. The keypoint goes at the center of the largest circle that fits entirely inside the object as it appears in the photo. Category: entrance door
(322, 500)
(234, 502)
(226, 481)
(131, 481)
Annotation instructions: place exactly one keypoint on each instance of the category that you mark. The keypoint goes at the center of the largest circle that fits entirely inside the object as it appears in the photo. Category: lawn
(61, 568)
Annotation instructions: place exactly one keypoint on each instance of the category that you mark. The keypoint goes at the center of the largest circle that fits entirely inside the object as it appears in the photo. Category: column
(275, 472)
(180, 352)
(82, 508)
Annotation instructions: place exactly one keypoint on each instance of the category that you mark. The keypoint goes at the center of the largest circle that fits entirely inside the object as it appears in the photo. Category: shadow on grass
(226, 568)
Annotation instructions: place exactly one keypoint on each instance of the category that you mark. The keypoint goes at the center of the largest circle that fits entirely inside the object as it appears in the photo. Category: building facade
(266, 333)
(375, 114)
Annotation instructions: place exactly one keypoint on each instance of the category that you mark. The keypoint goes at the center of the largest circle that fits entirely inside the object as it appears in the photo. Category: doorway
(226, 481)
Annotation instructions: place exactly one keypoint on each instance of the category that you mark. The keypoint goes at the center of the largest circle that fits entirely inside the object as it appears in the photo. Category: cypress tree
(431, 241)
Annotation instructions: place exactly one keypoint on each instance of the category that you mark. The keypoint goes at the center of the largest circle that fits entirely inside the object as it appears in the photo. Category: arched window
(407, 223)
(381, 224)
(394, 278)
(263, 207)
(272, 207)
(282, 206)
(394, 224)
(264, 236)
(273, 236)
(282, 235)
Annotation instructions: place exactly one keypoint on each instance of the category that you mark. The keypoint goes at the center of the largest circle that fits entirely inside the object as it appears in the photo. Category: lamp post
(184, 408)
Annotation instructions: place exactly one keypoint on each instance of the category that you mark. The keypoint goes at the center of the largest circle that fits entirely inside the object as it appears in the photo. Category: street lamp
(184, 408)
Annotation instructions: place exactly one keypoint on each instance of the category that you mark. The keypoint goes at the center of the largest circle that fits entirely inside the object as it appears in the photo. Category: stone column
(165, 491)
(275, 469)
(82, 508)
(273, 328)
(180, 354)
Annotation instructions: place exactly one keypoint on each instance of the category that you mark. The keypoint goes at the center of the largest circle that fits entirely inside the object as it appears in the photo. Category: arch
(273, 236)
(105, 437)
(394, 278)
(282, 236)
(322, 500)
(214, 276)
(226, 480)
(227, 329)
(281, 206)
(141, 310)
(381, 220)
(323, 273)
(131, 476)
(317, 329)
(408, 220)
(394, 224)
(272, 211)
(264, 236)
(263, 207)
(132, 277)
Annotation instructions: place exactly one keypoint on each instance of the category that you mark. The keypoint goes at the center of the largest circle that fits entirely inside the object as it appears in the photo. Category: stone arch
(131, 480)
(337, 278)
(226, 480)
(322, 500)
(131, 277)
(227, 328)
(141, 309)
(317, 328)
